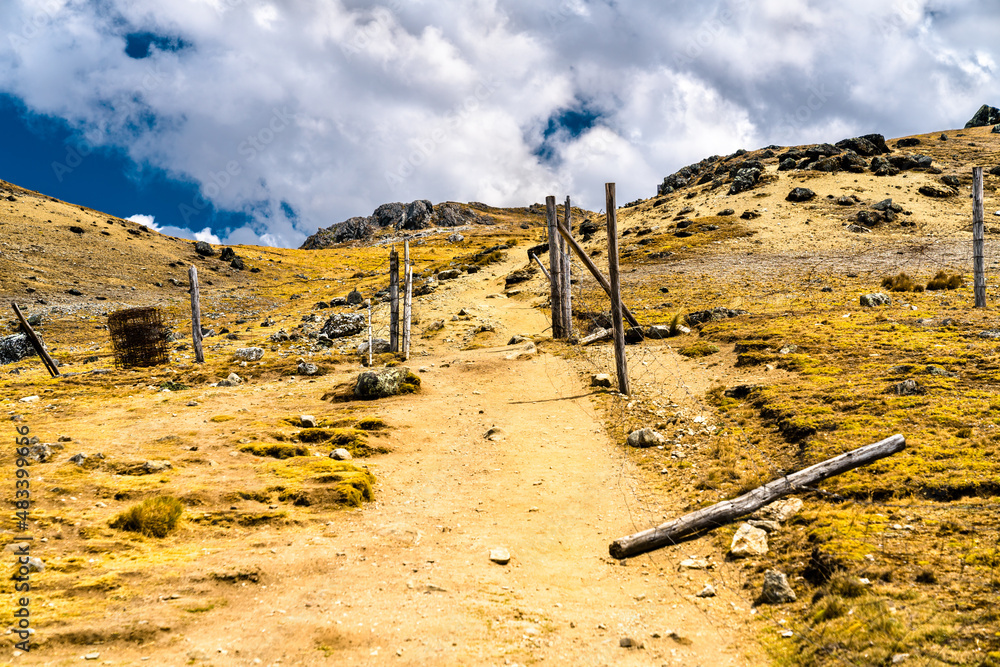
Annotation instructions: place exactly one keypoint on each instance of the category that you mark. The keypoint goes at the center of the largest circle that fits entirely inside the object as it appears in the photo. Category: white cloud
(145, 220)
(333, 108)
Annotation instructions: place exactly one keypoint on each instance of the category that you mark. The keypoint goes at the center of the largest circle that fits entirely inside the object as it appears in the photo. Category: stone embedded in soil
(305, 368)
(695, 564)
(707, 592)
(780, 510)
(628, 642)
(875, 299)
(645, 437)
(776, 589)
(249, 353)
(385, 382)
(600, 380)
(748, 541)
(500, 556)
(800, 195)
(231, 381)
(340, 455)
(307, 421)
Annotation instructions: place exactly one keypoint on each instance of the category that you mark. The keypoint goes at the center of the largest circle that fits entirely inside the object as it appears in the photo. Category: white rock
(340, 455)
(29, 399)
(707, 592)
(249, 353)
(307, 421)
(500, 556)
(748, 541)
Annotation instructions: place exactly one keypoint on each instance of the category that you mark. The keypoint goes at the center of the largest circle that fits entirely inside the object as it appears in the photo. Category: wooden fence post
(369, 333)
(978, 269)
(36, 343)
(567, 282)
(542, 267)
(407, 299)
(394, 300)
(199, 354)
(616, 290)
(555, 271)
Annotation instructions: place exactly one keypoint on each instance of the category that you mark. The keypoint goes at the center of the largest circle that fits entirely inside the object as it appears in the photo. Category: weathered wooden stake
(394, 300)
(199, 354)
(555, 271)
(542, 267)
(36, 343)
(369, 333)
(978, 268)
(567, 282)
(621, 365)
(407, 310)
(594, 271)
(724, 512)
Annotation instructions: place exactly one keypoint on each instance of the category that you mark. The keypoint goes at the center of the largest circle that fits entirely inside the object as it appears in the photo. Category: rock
(92, 656)
(75, 292)
(863, 146)
(518, 338)
(827, 164)
(391, 215)
(776, 589)
(857, 229)
(237, 264)
(41, 453)
(455, 238)
(995, 130)
(748, 541)
(500, 556)
(844, 200)
(749, 215)
(868, 218)
(526, 351)
(340, 455)
(227, 255)
(249, 353)
(628, 642)
(660, 331)
(767, 526)
(884, 205)
(29, 399)
(937, 191)
(900, 658)
(15, 348)
(379, 346)
(787, 164)
(344, 324)
(780, 510)
(800, 195)
(645, 437)
(726, 212)
(494, 434)
(600, 380)
(718, 313)
(741, 391)
(876, 299)
(707, 592)
(354, 298)
(307, 421)
(908, 142)
(305, 368)
(449, 274)
(951, 181)
(907, 388)
(745, 179)
(204, 249)
(937, 370)
(695, 564)
(386, 382)
(231, 381)
(418, 215)
(986, 115)
(78, 459)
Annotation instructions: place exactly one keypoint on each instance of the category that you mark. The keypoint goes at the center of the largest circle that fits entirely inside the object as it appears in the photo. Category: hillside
(385, 558)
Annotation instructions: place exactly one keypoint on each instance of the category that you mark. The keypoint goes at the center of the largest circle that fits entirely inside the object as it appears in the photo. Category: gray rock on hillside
(344, 324)
(15, 348)
(385, 382)
(776, 589)
(986, 115)
(876, 299)
(204, 249)
(645, 437)
(418, 215)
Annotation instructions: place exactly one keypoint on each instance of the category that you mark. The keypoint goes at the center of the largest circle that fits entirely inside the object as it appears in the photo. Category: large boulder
(14, 348)
(864, 145)
(384, 382)
(389, 215)
(418, 214)
(344, 324)
(800, 195)
(986, 115)
(204, 249)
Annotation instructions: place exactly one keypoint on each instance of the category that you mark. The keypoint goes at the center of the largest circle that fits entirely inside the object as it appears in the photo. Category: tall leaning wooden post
(555, 271)
(616, 290)
(199, 354)
(407, 299)
(567, 282)
(978, 269)
(394, 301)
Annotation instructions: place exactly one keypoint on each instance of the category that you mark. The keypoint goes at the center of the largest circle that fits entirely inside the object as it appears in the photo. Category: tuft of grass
(372, 424)
(901, 283)
(275, 450)
(153, 517)
(942, 281)
(698, 350)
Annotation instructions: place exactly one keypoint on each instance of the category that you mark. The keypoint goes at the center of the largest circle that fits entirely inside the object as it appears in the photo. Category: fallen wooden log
(36, 342)
(602, 334)
(727, 510)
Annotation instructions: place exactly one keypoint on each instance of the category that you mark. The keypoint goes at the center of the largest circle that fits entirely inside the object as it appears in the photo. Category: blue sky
(256, 121)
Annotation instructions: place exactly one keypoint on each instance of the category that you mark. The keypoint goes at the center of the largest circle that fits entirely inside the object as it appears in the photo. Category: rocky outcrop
(986, 115)
(14, 348)
(386, 382)
(416, 215)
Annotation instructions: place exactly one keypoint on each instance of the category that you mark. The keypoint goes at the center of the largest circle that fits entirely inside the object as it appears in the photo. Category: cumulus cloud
(302, 114)
(145, 220)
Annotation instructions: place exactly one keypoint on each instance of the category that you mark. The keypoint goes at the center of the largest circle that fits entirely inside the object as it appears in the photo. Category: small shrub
(942, 280)
(372, 424)
(153, 517)
(675, 325)
(831, 607)
(847, 586)
(899, 283)
(926, 576)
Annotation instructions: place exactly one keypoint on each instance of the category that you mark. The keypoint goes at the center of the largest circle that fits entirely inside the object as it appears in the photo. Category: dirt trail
(408, 580)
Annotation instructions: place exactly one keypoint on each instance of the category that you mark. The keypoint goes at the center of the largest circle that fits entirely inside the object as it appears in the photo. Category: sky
(259, 121)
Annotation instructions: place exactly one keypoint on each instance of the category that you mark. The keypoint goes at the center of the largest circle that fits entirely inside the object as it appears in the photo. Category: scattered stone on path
(707, 592)
(92, 656)
(231, 381)
(306, 368)
(695, 564)
(340, 454)
(526, 351)
(748, 541)
(776, 589)
(600, 380)
(500, 556)
(628, 642)
(645, 437)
